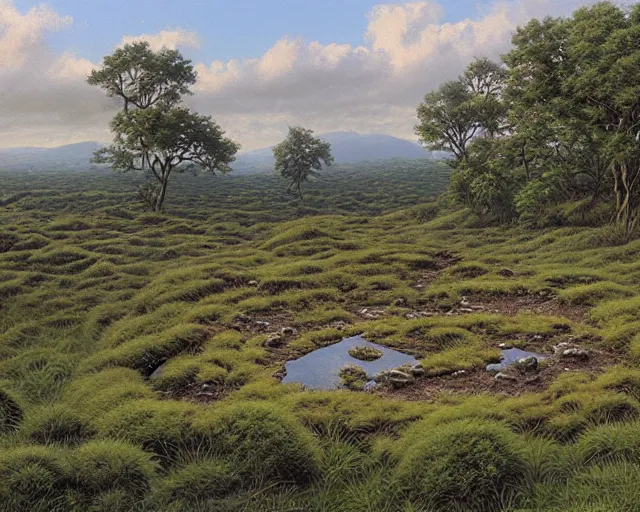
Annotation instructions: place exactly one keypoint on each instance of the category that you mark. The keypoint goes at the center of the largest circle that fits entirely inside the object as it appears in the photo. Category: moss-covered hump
(141, 354)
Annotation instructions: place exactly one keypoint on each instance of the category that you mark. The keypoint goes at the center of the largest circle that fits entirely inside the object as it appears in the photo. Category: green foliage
(57, 424)
(265, 441)
(465, 465)
(153, 133)
(11, 412)
(365, 353)
(197, 484)
(33, 478)
(101, 467)
(300, 156)
(353, 377)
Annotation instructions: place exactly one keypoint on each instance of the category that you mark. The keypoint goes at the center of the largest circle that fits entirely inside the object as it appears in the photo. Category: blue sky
(228, 29)
(263, 65)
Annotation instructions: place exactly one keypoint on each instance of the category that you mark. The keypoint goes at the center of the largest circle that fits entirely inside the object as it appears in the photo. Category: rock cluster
(567, 350)
(401, 376)
(277, 339)
(371, 314)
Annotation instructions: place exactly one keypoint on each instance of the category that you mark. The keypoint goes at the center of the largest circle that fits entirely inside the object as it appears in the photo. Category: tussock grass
(96, 298)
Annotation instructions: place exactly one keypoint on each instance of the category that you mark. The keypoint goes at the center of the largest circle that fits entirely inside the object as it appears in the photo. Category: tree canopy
(154, 133)
(558, 120)
(300, 156)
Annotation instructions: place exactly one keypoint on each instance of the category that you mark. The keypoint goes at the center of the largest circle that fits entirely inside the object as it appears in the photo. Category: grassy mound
(471, 466)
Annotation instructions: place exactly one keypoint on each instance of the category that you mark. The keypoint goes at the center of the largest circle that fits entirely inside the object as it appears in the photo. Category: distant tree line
(557, 121)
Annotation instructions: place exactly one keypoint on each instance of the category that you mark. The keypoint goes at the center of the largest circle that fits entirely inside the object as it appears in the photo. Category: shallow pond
(510, 357)
(320, 368)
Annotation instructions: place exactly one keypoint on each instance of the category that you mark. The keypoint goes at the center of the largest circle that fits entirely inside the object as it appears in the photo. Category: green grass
(96, 295)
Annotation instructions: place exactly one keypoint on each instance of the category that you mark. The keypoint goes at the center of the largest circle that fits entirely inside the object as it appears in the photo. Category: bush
(468, 465)
(264, 441)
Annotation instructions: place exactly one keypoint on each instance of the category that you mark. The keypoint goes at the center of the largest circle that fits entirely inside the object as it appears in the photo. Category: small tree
(301, 155)
(154, 133)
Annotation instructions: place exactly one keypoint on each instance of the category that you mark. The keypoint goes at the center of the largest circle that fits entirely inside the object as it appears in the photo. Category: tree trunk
(625, 191)
(299, 191)
(161, 195)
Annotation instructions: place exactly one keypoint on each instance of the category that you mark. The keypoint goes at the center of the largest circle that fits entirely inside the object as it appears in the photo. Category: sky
(263, 65)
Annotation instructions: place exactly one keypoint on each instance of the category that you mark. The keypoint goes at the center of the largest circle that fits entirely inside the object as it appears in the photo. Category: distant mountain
(72, 156)
(347, 148)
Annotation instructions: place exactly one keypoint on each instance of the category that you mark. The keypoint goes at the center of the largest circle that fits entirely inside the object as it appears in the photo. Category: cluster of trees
(154, 132)
(557, 120)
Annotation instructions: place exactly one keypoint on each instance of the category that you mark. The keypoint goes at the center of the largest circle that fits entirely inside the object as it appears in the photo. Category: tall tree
(463, 109)
(153, 132)
(300, 156)
(604, 47)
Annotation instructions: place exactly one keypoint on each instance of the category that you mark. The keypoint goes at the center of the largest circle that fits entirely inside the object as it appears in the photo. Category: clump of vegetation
(461, 465)
(264, 442)
(353, 377)
(11, 412)
(365, 353)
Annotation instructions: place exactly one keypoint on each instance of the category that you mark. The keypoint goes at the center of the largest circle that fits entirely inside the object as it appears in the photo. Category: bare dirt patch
(442, 260)
(480, 381)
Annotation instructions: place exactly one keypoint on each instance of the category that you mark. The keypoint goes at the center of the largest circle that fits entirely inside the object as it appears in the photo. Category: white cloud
(171, 39)
(407, 51)
(22, 35)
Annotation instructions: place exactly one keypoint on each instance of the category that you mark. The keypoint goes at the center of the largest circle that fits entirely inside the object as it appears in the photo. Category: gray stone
(418, 371)
(288, 331)
(262, 325)
(505, 346)
(253, 283)
(274, 341)
(528, 363)
(205, 386)
(399, 379)
(459, 373)
(505, 377)
(400, 303)
(575, 353)
(561, 347)
(399, 374)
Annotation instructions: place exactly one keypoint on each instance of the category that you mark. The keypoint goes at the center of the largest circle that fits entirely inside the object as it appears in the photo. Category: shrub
(265, 442)
(469, 465)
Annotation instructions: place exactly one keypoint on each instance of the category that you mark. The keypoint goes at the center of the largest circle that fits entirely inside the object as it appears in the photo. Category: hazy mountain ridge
(347, 148)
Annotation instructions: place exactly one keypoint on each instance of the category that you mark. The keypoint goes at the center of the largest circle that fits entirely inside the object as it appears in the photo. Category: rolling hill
(347, 148)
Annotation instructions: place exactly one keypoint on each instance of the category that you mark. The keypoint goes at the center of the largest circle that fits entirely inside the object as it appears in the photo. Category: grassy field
(96, 295)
